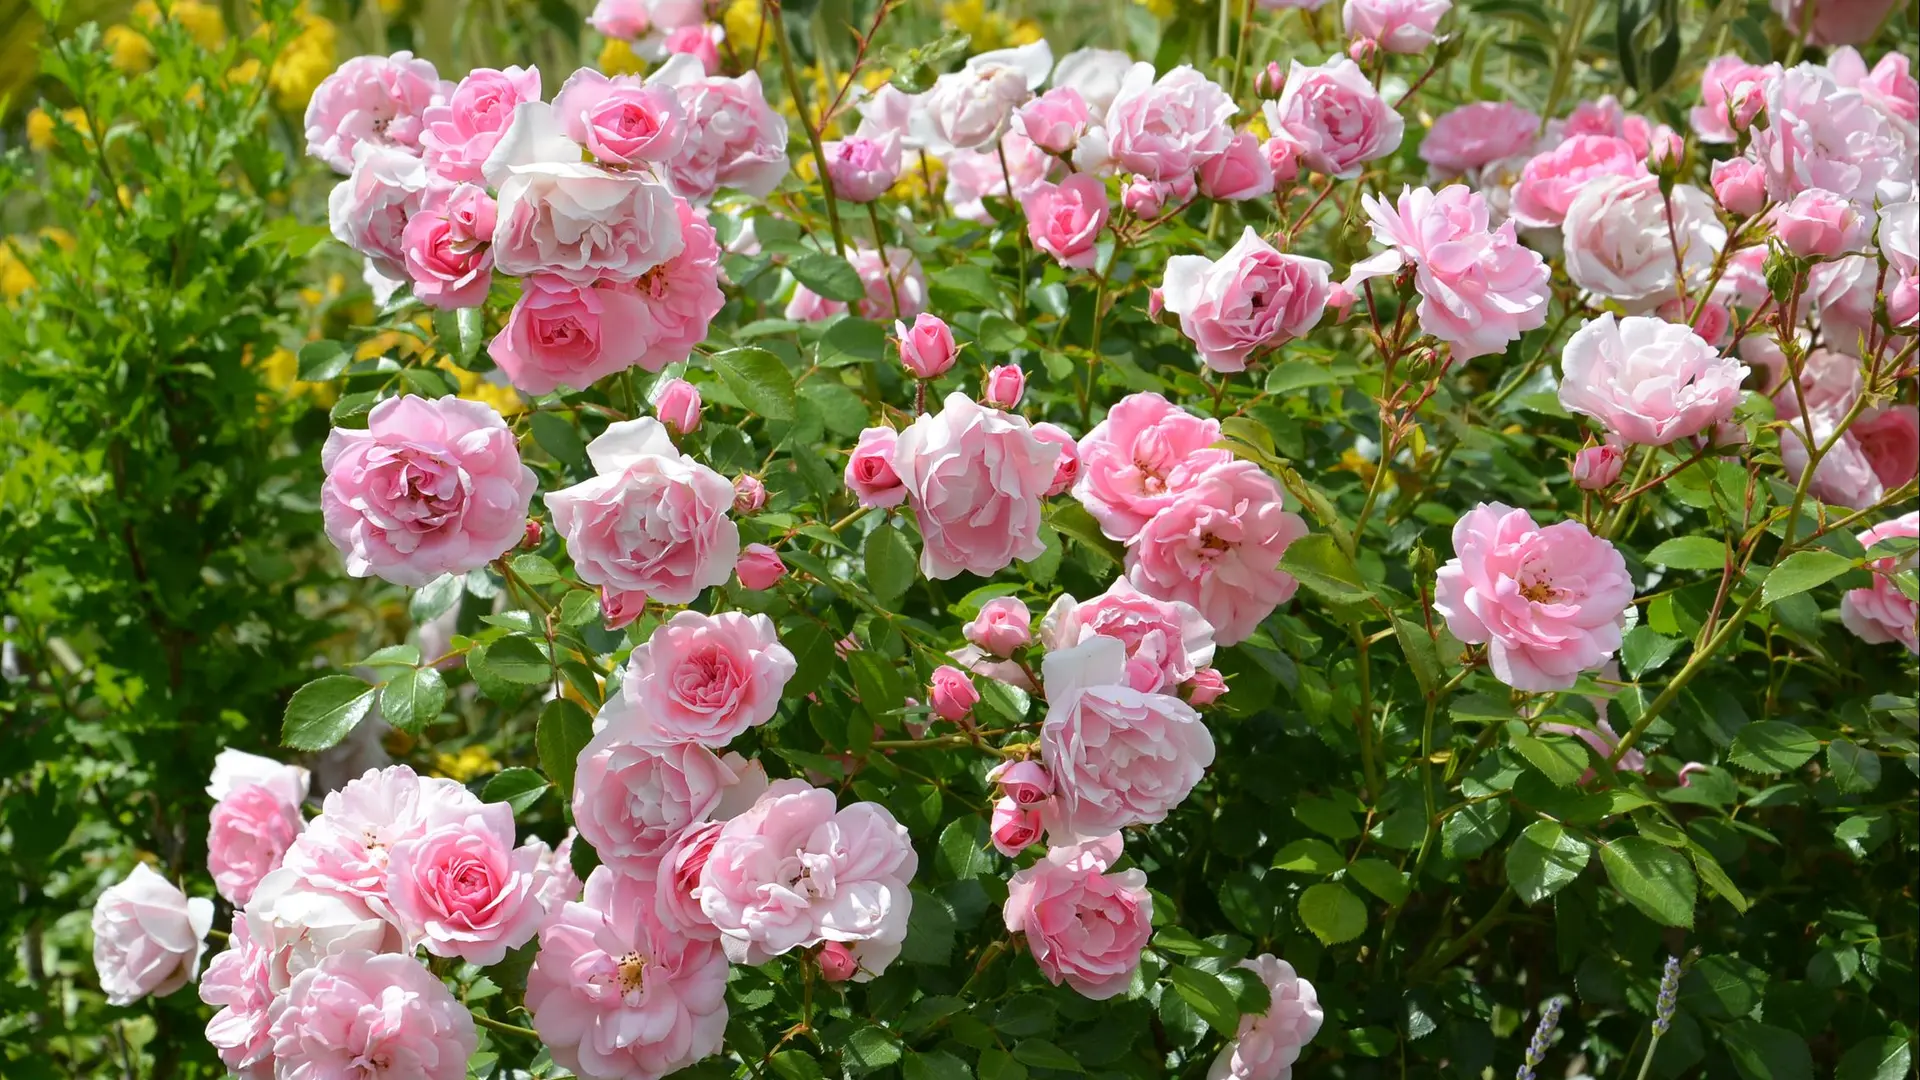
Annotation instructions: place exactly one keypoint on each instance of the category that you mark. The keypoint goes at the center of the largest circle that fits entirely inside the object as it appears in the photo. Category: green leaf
(1321, 566)
(1309, 855)
(1690, 553)
(963, 851)
(1291, 375)
(850, 341)
(1801, 571)
(351, 410)
(758, 378)
(322, 712)
(1326, 817)
(1333, 913)
(393, 656)
(1422, 655)
(413, 699)
(1655, 879)
(877, 679)
(1474, 828)
(1382, 879)
(517, 660)
(1884, 1058)
(997, 1064)
(935, 1065)
(796, 1065)
(1072, 519)
(559, 438)
(564, 730)
(1042, 1054)
(1545, 859)
(1645, 650)
(1763, 1052)
(1213, 999)
(435, 598)
(323, 361)
(812, 648)
(518, 787)
(1715, 877)
(471, 324)
(534, 570)
(829, 276)
(871, 1048)
(1722, 988)
(892, 565)
(1562, 761)
(1772, 746)
(1854, 768)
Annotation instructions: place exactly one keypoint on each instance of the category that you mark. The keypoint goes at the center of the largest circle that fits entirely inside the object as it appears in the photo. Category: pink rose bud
(1740, 184)
(749, 494)
(1003, 627)
(1025, 782)
(1361, 49)
(1205, 687)
(1665, 151)
(1015, 827)
(759, 567)
(677, 404)
(1597, 467)
(862, 169)
(620, 607)
(1067, 468)
(1728, 435)
(1271, 80)
(697, 42)
(1715, 322)
(1240, 172)
(1340, 300)
(1903, 301)
(870, 474)
(927, 350)
(1817, 224)
(1143, 198)
(1004, 387)
(1055, 120)
(1156, 303)
(1284, 159)
(533, 534)
(952, 693)
(1685, 775)
(837, 963)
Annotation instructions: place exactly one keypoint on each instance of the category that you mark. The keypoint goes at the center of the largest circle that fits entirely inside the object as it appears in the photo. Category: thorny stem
(1020, 234)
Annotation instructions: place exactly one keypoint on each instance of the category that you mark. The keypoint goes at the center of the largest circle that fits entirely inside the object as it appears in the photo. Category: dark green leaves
(517, 787)
(1773, 746)
(413, 698)
(1655, 879)
(891, 564)
(1211, 998)
(564, 729)
(829, 276)
(1801, 571)
(1321, 566)
(322, 712)
(1333, 913)
(1545, 859)
(758, 378)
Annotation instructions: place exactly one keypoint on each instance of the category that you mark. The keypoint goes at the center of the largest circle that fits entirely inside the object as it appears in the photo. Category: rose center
(633, 969)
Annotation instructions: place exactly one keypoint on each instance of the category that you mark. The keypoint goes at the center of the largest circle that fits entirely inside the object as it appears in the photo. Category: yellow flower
(502, 398)
(988, 29)
(392, 7)
(1025, 32)
(15, 278)
(132, 52)
(1161, 9)
(58, 237)
(618, 58)
(915, 181)
(742, 23)
(308, 59)
(466, 764)
(246, 71)
(201, 21)
(40, 130)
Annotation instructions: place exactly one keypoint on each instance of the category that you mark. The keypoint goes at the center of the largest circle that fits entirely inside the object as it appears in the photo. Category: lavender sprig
(1664, 1005)
(1537, 1049)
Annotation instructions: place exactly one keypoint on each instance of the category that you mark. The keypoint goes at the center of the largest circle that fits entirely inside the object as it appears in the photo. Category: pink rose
(701, 679)
(1094, 74)
(236, 985)
(1014, 828)
(248, 834)
(1128, 460)
(734, 139)
(651, 520)
(1004, 387)
(1548, 602)
(1163, 129)
(759, 568)
(969, 109)
(235, 769)
(1217, 546)
(1027, 783)
(837, 962)
(927, 350)
(147, 936)
(562, 334)
(1899, 239)
(1167, 642)
(1084, 927)
(380, 101)
(1206, 687)
(560, 883)
(345, 849)
(631, 800)
(1648, 381)
(619, 119)
(1118, 757)
(463, 890)
(1239, 172)
(1595, 468)
(682, 295)
(1619, 240)
(369, 210)
(431, 487)
(973, 176)
(862, 169)
(869, 473)
(1732, 92)
(458, 133)
(1890, 87)
(1144, 198)
(1249, 299)
(1879, 452)
(297, 922)
(676, 896)
(1474, 136)
(357, 1007)
(1066, 469)
(1820, 134)
(974, 478)
(749, 494)
(952, 693)
(1835, 22)
(616, 995)
(676, 402)
(1551, 180)
(1283, 159)
(633, 19)
(1817, 224)
(1711, 320)
(1268, 1043)
(794, 871)
(1844, 292)
(700, 42)
(1065, 219)
(1003, 627)
(446, 249)
(1055, 120)
(1881, 612)
(1334, 116)
(1398, 26)
(1740, 185)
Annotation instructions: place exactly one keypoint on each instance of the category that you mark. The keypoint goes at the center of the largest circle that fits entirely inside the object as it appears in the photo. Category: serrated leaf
(558, 437)
(1042, 1054)
(1854, 768)
(1212, 999)
(963, 851)
(934, 1065)
(1562, 761)
(517, 660)
(1333, 913)
(534, 570)
(393, 656)
(1764, 1052)
(1382, 879)
(324, 711)
(1690, 553)
(435, 598)
(517, 787)
(1319, 564)
(323, 361)
(1772, 746)
(871, 1048)
(891, 565)
(1545, 859)
(413, 698)
(1801, 571)
(1885, 1057)
(758, 378)
(828, 276)
(1073, 520)
(1655, 879)
(564, 729)
(1309, 855)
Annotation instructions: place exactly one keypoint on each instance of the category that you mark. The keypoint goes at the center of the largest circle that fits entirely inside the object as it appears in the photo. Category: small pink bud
(759, 567)
(1005, 386)
(1361, 49)
(1340, 300)
(1156, 303)
(1205, 687)
(531, 538)
(1142, 197)
(1284, 159)
(619, 608)
(1003, 627)
(1740, 185)
(1597, 467)
(677, 404)
(1271, 80)
(1015, 827)
(1025, 782)
(927, 350)
(837, 963)
(749, 494)
(1665, 151)
(952, 693)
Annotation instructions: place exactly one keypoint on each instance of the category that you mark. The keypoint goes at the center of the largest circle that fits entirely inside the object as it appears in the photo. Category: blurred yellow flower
(392, 7)
(40, 129)
(246, 71)
(201, 21)
(58, 237)
(132, 52)
(988, 29)
(618, 58)
(741, 21)
(919, 176)
(1162, 9)
(281, 372)
(15, 278)
(308, 59)
(466, 764)
(475, 387)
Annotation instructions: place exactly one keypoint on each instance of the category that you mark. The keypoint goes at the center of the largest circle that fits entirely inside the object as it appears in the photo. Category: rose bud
(749, 494)
(1597, 467)
(1205, 687)
(1067, 469)
(1740, 184)
(759, 567)
(1817, 224)
(1004, 387)
(1284, 159)
(1361, 49)
(952, 693)
(1003, 627)
(837, 963)
(1025, 782)
(620, 607)
(1271, 80)
(1015, 827)
(927, 350)
(677, 404)
(531, 538)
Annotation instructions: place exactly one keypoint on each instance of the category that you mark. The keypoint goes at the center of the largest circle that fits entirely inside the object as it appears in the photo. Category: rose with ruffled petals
(1166, 641)
(1474, 136)
(1880, 612)
(369, 210)
(1552, 179)
(734, 139)
(447, 248)
(869, 473)
(620, 119)
(1269, 1043)
(562, 334)
(147, 936)
(1335, 117)
(248, 834)
(1066, 470)
(235, 769)
(1128, 460)
(969, 109)
(701, 678)
(378, 101)
(1013, 827)
(974, 176)
(1094, 74)
(1164, 128)
(1821, 134)
(236, 985)
(631, 800)
(1239, 172)
(1003, 627)
(1055, 120)
(1817, 224)
(1396, 26)
(861, 168)
(1648, 381)
(358, 1009)
(346, 848)
(682, 295)
(297, 922)
(459, 132)
(1065, 219)
(1732, 93)
(1548, 602)
(676, 898)
(1899, 238)
(1084, 927)
(974, 477)
(1251, 298)
(463, 890)
(1620, 234)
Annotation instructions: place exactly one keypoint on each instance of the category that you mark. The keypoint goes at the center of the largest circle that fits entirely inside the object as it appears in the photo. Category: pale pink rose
(1065, 219)
(1085, 927)
(1551, 180)
(927, 350)
(759, 568)
(1820, 134)
(1397, 26)
(615, 995)
(1817, 224)
(236, 985)
(631, 800)
(869, 472)
(1014, 828)
(1548, 602)
(1003, 627)
(433, 486)
(1004, 386)
(1163, 129)
(1027, 783)
(1830, 381)
(574, 219)
(1249, 299)
(297, 923)
(1471, 137)
(449, 264)
(1334, 116)
(463, 890)
(1217, 546)
(346, 848)
(147, 936)
(1889, 87)
(676, 403)
(369, 210)
(620, 119)
(562, 334)
(734, 139)
(749, 494)
(1882, 613)
(1607, 116)
(1167, 641)
(360, 1010)
(700, 42)
(1878, 453)
(862, 169)
(885, 112)
(969, 109)
(1128, 460)
(1619, 239)
(559, 883)
(1835, 22)
(1117, 756)
(1144, 198)
(1239, 172)
(682, 295)
(676, 897)
(1595, 468)
(1268, 1043)
(651, 519)
(1094, 74)
(248, 834)
(1899, 240)
(1713, 321)
(623, 19)
(1066, 469)
(379, 101)
(1744, 285)
(1648, 381)
(974, 176)
(1283, 160)
(1732, 93)
(951, 693)
(1740, 185)
(1844, 292)
(1055, 120)
(838, 963)
(974, 478)
(794, 871)
(702, 679)
(458, 133)
(1206, 687)
(235, 769)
